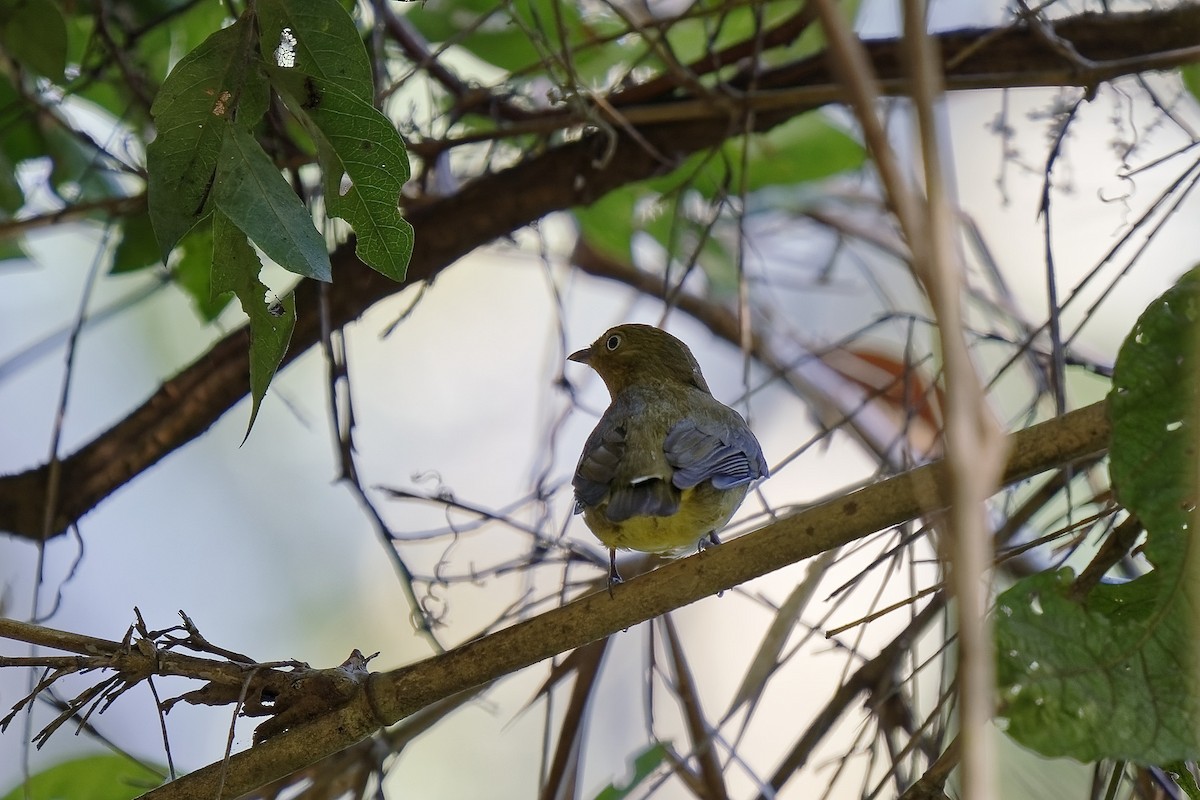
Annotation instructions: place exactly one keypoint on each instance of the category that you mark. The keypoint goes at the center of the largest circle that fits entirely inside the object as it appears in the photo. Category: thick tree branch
(563, 177)
(392, 696)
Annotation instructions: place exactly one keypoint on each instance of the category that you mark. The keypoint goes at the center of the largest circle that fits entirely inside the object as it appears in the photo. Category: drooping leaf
(235, 268)
(320, 67)
(1111, 674)
(34, 33)
(107, 777)
(218, 86)
(251, 192)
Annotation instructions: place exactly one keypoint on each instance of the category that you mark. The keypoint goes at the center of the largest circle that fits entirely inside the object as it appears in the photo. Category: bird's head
(630, 354)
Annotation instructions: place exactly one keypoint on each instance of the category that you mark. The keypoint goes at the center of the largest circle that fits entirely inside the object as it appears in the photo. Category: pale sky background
(271, 558)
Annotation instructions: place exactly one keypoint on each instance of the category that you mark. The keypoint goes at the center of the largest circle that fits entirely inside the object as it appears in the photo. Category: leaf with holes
(320, 67)
(1111, 674)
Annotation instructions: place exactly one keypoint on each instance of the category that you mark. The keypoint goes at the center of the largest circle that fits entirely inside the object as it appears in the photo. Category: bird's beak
(581, 356)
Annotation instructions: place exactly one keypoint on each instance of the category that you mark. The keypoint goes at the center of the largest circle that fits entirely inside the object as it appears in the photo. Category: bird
(668, 464)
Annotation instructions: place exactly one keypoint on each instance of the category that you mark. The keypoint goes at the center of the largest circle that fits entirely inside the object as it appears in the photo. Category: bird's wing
(598, 465)
(632, 478)
(723, 450)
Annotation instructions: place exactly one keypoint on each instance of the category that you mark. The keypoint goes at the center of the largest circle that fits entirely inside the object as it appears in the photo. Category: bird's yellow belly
(702, 510)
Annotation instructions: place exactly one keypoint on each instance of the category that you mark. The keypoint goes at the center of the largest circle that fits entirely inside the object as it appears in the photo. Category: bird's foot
(614, 577)
(707, 541)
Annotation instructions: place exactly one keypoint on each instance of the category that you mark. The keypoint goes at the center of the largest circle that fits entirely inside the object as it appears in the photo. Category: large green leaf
(218, 86)
(235, 268)
(107, 777)
(320, 67)
(1112, 674)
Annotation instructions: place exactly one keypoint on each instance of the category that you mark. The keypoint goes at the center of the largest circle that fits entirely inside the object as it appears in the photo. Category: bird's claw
(614, 577)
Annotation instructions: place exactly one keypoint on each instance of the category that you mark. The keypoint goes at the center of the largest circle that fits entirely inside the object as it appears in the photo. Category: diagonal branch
(392, 696)
(560, 178)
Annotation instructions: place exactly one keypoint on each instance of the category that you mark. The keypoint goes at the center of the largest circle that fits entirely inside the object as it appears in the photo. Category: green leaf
(34, 33)
(315, 38)
(218, 86)
(138, 248)
(1111, 675)
(644, 765)
(107, 777)
(252, 193)
(805, 148)
(235, 268)
(323, 73)
(1154, 408)
(192, 271)
(1191, 79)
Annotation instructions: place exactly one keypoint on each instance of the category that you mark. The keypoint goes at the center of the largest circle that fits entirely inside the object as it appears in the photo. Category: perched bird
(668, 463)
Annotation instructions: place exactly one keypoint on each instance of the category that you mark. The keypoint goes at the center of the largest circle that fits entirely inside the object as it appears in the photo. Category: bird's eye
(613, 342)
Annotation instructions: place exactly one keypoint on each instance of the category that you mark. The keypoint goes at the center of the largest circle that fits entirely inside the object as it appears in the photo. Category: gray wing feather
(598, 466)
(726, 454)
